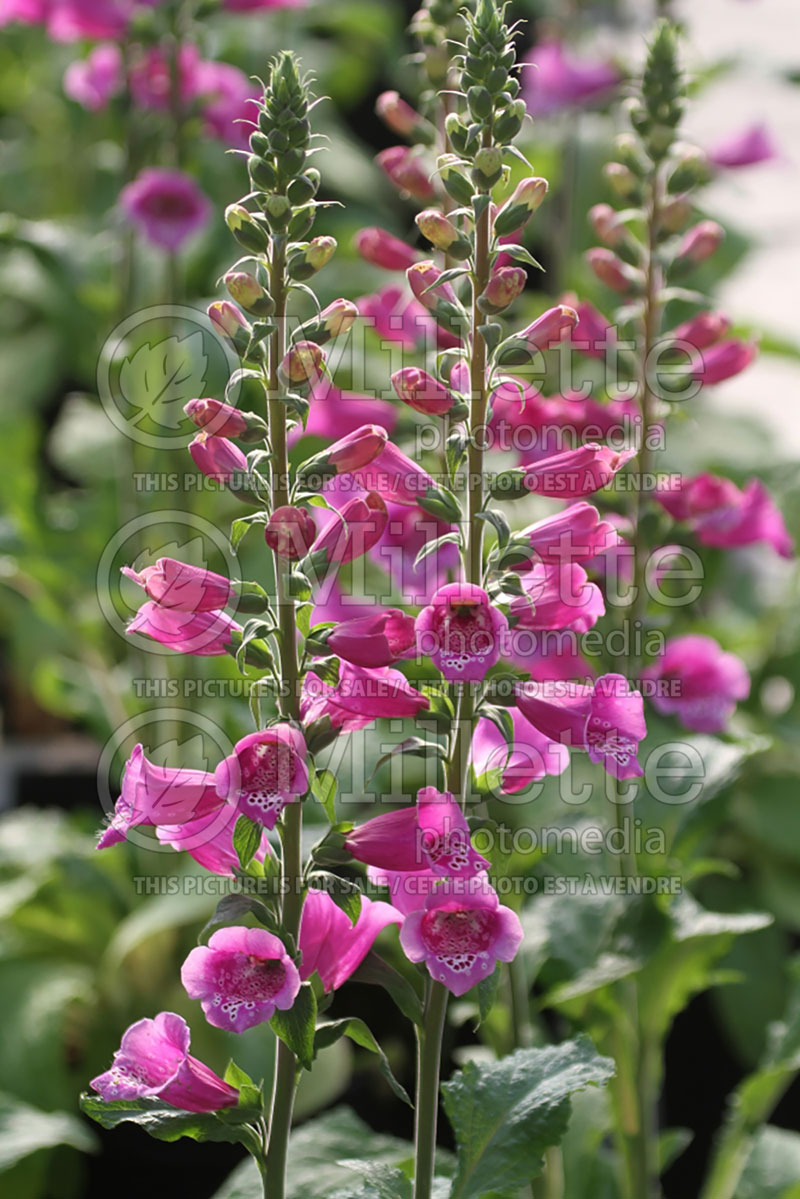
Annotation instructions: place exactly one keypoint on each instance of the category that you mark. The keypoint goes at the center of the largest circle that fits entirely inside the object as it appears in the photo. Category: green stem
(479, 397)
(429, 1052)
(736, 1142)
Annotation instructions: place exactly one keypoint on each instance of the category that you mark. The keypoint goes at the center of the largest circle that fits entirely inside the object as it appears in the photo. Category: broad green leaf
(497, 519)
(25, 1129)
(295, 1027)
(487, 994)
(167, 1123)
(231, 909)
(324, 788)
(384, 1181)
(773, 1167)
(246, 839)
(506, 1114)
(358, 1032)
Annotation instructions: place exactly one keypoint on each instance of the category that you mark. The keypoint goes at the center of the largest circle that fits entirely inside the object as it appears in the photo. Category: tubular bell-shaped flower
(242, 977)
(266, 770)
(433, 835)
(461, 631)
(331, 945)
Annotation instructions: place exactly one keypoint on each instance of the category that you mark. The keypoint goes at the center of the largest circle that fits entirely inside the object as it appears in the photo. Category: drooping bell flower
(433, 835)
(181, 586)
(303, 364)
(722, 515)
(374, 640)
(217, 458)
(335, 413)
(550, 328)
(217, 418)
(706, 681)
(702, 331)
(723, 361)
(166, 206)
(154, 794)
(399, 116)
(604, 719)
(571, 475)
(557, 597)
(422, 279)
(462, 933)
(606, 224)
(422, 392)
(242, 977)
(333, 947)
(745, 148)
(529, 758)
(577, 534)
(505, 285)
(396, 317)
(399, 480)
(290, 532)
(208, 634)
(406, 533)
(560, 80)
(266, 771)
(360, 696)
(700, 242)
(407, 171)
(352, 532)
(153, 1062)
(462, 632)
(383, 249)
(209, 840)
(354, 450)
(94, 80)
(611, 270)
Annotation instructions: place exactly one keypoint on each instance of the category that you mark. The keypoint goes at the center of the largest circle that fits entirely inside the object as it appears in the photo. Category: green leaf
(376, 972)
(417, 747)
(324, 788)
(480, 202)
(167, 1123)
(296, 1026)
(25, 1130)
(491, 334)
(430, 547)
(487, 994)
(302, 616)
(773, 1167)
(507, 1113)
(344, 893)
(231, 909)
(246, 839)
(499, 523)
(385, 1182)
(520, 254)
(243, 524)
(358, 1032)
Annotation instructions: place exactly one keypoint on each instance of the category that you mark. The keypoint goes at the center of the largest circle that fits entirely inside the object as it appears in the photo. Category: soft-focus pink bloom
(266, 771)
(216, 417)
(290, 532)
(207, 634)
(462, 632)
(462, 933)
(150, 77)
(157, 795)
(745, 148)
(383, 249)
(226, 99)
(73, 20)
(702, 331)
(258, 5)
(407, 171)
(153, 1062)
(217, 457)
(531, 756)
(707, 682)
(574, 535)
(422, 277)
(562, 598)
(24, 12)
(559, 80)
(407, 531)
(242, 977)
(396, 478)
(606, 224)
(331, 945)
(375, 640)
(550, 328)
(334, 413)
(395, 112)
(611, 270)
(605, 719)
(433, 835)
(209, 840)
(409, 889)
(594, 333)
(422, 392)
(724, 360)
(179, 585)
(701, 241)
(166, 206)
(720, 514)
(355, 449)
(554, 655)
(94, 80)
(575, 474)
(396, 317)
(353, 530)
(360, 696)
(543, 426)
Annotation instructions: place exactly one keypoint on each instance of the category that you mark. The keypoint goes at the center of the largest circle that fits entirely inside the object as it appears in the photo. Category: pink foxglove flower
(360, 696)
(217, 458)
(433, 835)
(258, 5)
(217, 418)
(290, 532)
(557, 597)
(422, 277)
(265, 772)
(181, 586)
(462, 632)
(209, 840)
(153, 1062)
(383, 249)
(560, 80)
(722, 515)
(703, 330)
(96, 79)
(331, 945)
(575, 535)
(166, 206)
(574, 474)
(594, 333)
(375, 640)
(225, 95)
(352, 531)
(400, 480)
(396, 317)
(356, 449)
(605, 719)
(242, 977)
(550, 328)
(611, 270)
(422, 392)
(724, 360)
(406, 533)
(707, 682)
(207, 634)
(746, 148)
(398, 114)
(531, 756)
(409, 889)
(150, 77)
(461, 934)
(700, 242)
(159, 795)
(407, 171)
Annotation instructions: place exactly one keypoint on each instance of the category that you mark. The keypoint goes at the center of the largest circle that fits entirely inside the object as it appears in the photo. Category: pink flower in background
(360, 696)
(396, 317)
(722, 515)
(375, 640)
(330, 944)
(723, 361)
(258, 5)
(605, 719)
(703, 330)
(574, 474)
(559, 80)
(422, 392)
(290, 532)
(611, 270)
(397, 114)
(350, 532)
(462, 632)
(94, 80)
(407, 171)
(225, 94)
(153, 1062)
(745, 148)
(701, 241)
(706, 681)
(335, 413)
(575, 535)
(461, 934)
(159, 794)
(431, 836)
(72, 20)
(266, 771)
(242, 977)
(594, 332)
(167, 207)
(150, 77)
(407, 531)
(531, 757)
(556, 597)
(217, 457)
(209, 841)
(178, 585)
(24, 12)
(207, 634)
(383, 249)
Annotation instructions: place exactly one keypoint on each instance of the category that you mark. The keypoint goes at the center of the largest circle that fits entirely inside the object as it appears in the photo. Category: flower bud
(349, 453)
(223, 420)
(402, 119)
(703, 330)
(290, 532)
(457, 132)
(384, 249)
(303, 363)
(304, 187)
(246, 229)
(621, 180)
(278, 210)
(422, 392)
(701, 241)
(442, 233)
(508, 124)
(521, 205)
(219, 459)
(552, 326)
(406, 171)
(611, 270)
(606, 224)
(454, 181)
(675, 214)
(488, 168)
(306, 262)
(691, 169)
(504, 286)
(337, 318)
(246, 290)
(262, 173)
(229, 322)
(421, 277)
(480, 102)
